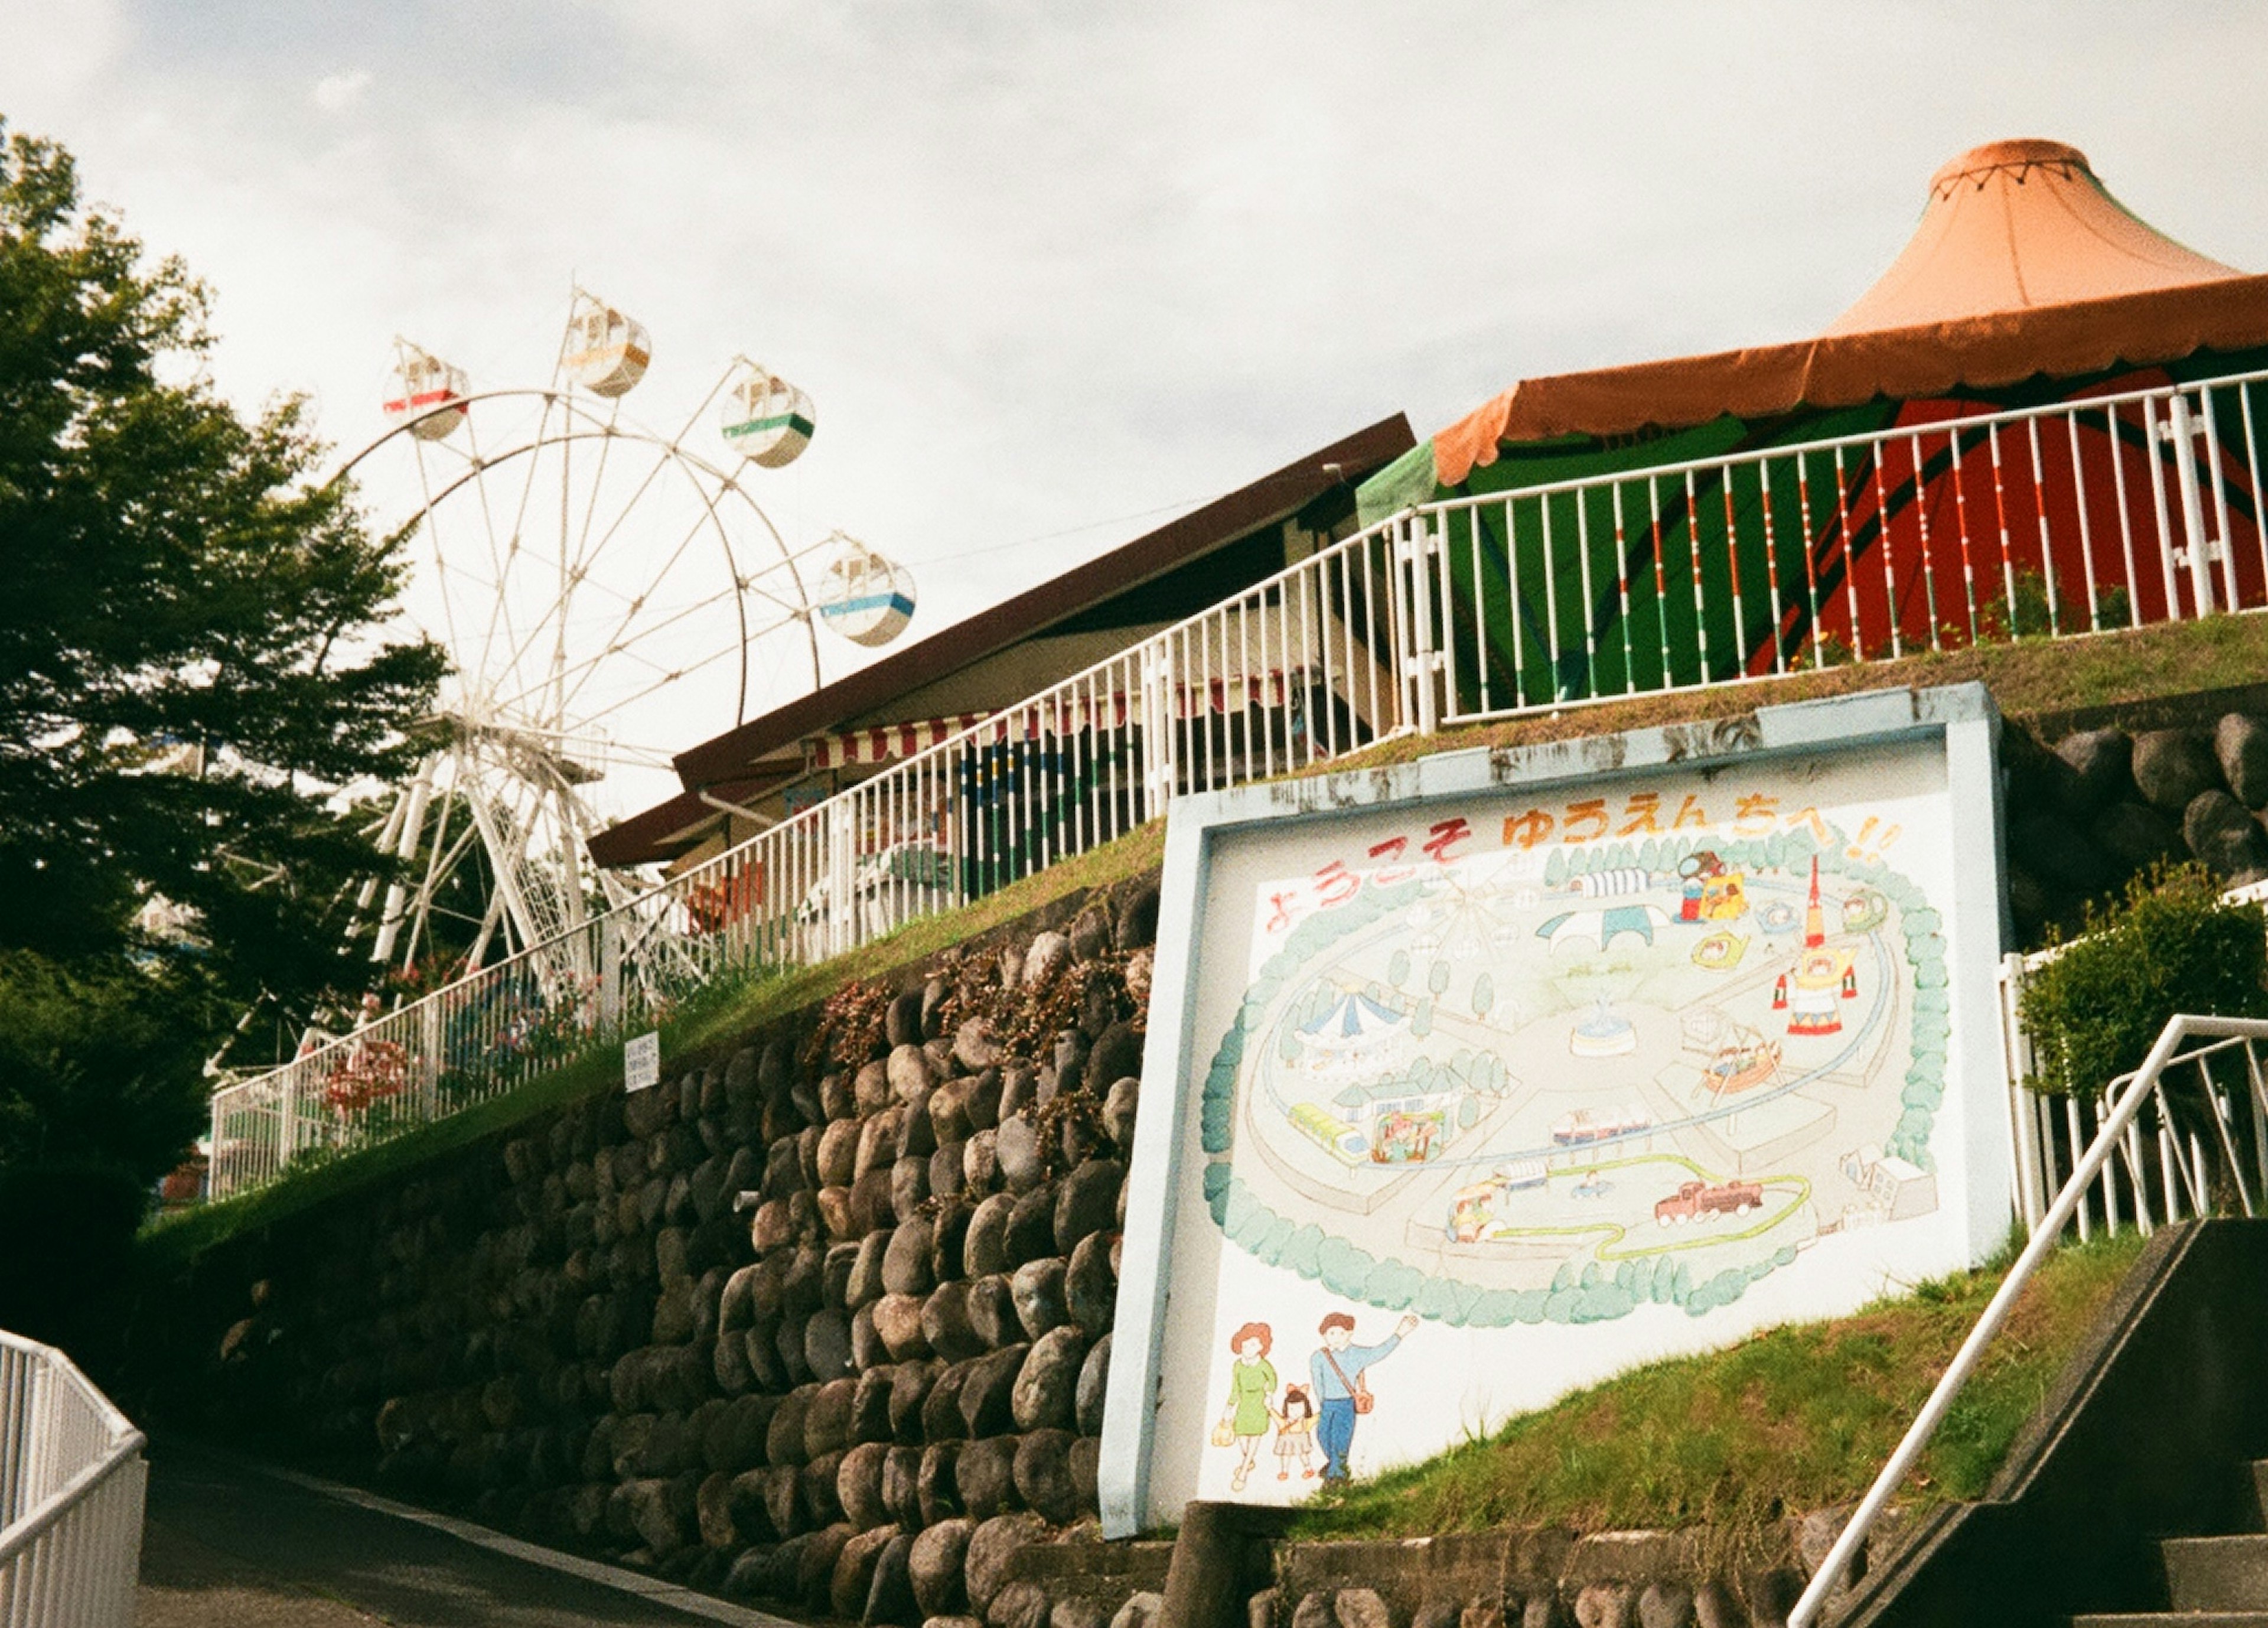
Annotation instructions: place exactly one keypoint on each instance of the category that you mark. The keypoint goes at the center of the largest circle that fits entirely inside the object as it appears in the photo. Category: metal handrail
(2046, 1131)
(21, 1536)
(1564, 593)
(70, 1560)
(1857, 440)
(2142, 1084)
(1298, 625)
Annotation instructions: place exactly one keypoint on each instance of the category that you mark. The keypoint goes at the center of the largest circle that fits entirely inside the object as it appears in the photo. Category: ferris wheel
(605, 593)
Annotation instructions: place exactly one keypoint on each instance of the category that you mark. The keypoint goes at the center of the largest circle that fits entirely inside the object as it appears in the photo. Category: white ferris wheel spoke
(586, 669)
(519, 525)
(433, 540)
(608, 580)
(631, 608)
(498, 607)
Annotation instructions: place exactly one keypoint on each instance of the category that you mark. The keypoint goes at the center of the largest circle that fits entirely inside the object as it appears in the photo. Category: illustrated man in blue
(1336, 1370)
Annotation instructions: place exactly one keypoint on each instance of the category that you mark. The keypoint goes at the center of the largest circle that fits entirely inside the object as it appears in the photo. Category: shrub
(2169, 945)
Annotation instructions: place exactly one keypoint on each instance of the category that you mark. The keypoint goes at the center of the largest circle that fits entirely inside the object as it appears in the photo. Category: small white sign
(642, 1060)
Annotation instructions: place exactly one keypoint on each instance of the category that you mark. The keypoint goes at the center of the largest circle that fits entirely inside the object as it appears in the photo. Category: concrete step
(2258, 1470)
(2218, 1573)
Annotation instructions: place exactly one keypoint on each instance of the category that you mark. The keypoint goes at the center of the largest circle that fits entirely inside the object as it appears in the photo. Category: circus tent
(2025, 285)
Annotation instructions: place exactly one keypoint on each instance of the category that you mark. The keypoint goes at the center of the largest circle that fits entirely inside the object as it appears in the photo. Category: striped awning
(886, 741)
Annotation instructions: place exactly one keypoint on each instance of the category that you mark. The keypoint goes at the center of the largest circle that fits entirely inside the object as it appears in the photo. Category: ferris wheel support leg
(413, 826)
(487, 934)
(388, 835)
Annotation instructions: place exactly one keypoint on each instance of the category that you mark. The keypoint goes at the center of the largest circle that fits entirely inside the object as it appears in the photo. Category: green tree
(2169, 945)
(192, 662)
(182, 592)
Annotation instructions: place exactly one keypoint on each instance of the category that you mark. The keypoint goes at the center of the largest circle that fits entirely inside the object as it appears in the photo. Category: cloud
(336, 93)
(1044, 265)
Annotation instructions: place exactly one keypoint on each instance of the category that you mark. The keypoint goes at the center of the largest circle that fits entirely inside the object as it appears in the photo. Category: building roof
(2023, 264)
(2016, 226)
(1352, 1017)
(731, 767)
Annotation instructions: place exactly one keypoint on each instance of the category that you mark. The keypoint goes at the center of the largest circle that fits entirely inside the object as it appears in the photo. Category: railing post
(2016, 1058)
(429, 1054)
(213, 1116)
(2183, 428)
(841, 867)
(287, 1119)
(37, 1437)
(610, 968)
(1421, 662)
(1157, 703)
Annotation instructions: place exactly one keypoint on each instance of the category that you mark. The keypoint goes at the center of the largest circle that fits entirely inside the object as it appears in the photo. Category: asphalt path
(230, 1543)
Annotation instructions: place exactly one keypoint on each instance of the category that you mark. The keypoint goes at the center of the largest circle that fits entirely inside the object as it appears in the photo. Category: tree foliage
(191, 670)
(179, 584)
(2169, 945)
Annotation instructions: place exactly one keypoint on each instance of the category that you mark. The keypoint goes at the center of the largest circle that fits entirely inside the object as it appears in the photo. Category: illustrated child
(1336, 1370)
(1251, 1384)
(1295, 1434)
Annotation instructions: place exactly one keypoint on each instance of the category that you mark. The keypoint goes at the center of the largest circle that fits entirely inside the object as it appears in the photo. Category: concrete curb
(650, 1588)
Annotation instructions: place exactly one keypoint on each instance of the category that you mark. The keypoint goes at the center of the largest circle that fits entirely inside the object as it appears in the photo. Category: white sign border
(1963, 716)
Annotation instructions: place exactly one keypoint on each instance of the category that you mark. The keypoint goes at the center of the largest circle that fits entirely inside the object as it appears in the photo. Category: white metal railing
(71, 1484)
(1287, 674)
(2112, 512)
(2211, 1128)
(2058, 521)
(2049, 1132)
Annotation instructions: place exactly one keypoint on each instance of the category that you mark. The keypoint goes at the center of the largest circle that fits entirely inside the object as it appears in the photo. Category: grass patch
(2028, 677)
(709, 1025)
(1793, 1419)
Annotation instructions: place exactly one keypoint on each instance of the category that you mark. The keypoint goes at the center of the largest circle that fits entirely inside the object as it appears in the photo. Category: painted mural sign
(1490, 1096)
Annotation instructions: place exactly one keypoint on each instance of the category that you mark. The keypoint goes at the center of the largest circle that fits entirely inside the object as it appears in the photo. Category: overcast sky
(1046, 268)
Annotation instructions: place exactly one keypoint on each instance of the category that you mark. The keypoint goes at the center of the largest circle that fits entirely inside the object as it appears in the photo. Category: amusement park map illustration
(1557, 1079)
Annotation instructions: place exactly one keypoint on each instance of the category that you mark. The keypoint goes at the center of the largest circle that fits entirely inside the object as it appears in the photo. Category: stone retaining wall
(823, 1322)
(2090, 809)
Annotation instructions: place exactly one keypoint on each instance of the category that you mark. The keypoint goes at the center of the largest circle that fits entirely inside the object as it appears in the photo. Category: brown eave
(666, 830)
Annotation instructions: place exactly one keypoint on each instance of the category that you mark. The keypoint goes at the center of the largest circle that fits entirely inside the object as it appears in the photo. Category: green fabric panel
(1579, 457)
(1573, 640)
(1402, 484)
(2218, 363)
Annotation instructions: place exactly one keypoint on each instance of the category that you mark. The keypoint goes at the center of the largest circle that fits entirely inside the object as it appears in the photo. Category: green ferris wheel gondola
(767, 420)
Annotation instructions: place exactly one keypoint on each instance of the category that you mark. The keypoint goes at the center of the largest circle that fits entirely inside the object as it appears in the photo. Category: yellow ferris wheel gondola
(605, 351)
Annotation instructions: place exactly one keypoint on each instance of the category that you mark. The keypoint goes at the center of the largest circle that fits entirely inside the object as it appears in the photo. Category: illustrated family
(1321, 1414)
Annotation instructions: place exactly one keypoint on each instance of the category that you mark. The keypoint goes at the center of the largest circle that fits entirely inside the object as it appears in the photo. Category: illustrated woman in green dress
(1251, 1388)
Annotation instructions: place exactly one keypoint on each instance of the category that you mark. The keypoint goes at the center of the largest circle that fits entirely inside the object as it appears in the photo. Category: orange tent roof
(2018, 225)
(2022, 265)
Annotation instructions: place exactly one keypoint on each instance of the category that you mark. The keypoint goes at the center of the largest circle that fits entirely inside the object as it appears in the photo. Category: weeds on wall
(2170, 945)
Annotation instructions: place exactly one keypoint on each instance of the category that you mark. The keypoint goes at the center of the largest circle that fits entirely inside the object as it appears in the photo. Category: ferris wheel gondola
(767, 420)
(605, 351)
(429, 394)
(864, 597)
